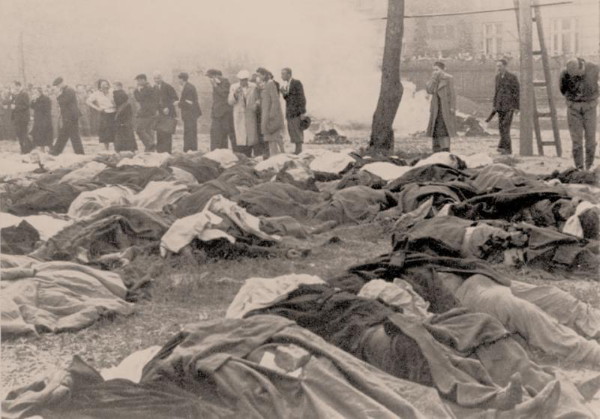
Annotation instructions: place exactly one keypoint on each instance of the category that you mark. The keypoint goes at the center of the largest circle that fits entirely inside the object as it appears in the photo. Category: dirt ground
(184, 294)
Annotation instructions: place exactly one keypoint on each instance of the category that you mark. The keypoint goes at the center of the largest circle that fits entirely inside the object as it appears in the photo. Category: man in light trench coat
(244, 98)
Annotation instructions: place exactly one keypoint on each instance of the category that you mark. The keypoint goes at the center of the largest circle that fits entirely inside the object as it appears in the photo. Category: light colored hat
(243, 74)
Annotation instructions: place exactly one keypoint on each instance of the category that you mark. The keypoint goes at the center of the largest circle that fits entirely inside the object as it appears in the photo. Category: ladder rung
(544, 114)
(539, 83)
(537, 52)
(548, 143)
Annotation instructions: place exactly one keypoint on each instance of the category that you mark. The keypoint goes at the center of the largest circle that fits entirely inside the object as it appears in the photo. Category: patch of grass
(511, 161)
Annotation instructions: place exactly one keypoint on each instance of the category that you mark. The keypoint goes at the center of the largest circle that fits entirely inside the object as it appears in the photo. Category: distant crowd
(247, 115)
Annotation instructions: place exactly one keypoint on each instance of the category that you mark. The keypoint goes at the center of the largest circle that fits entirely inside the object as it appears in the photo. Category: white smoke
(335, 50)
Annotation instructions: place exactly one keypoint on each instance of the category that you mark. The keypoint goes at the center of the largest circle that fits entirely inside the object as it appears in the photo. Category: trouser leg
(273, 148)
(145, 133)
(61, 140)
(575, 122)
(190, 134)
(164, 142)
(590, 114)
(504, 123)
(23, 137)
(230, 132)
(75, 138)
(218, 134)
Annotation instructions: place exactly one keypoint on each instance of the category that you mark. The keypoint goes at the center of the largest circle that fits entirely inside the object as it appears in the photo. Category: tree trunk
(382, 133)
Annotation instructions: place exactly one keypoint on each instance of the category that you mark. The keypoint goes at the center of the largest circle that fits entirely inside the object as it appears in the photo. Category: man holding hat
(244, 98)
(579, 85)
(222, 113)
(190, 112)
(69, 111)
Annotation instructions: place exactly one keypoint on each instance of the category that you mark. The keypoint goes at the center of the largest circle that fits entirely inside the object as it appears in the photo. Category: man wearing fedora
(579, 85)
(295, 107)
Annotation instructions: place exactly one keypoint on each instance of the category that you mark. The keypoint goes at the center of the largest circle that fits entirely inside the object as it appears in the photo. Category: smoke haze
(333, 49)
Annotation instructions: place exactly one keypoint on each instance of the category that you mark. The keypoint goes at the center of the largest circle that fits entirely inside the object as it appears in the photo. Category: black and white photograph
(276, 209)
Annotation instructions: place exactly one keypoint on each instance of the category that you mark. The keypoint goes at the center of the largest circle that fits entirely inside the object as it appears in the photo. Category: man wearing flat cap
(221, 126)
(190, 112)
(579, 85)
(244, 98)
(69, 112)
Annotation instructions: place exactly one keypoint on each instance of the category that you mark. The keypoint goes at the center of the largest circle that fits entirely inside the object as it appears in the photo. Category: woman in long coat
(271, 123)
(41, 132)
(442, 123)
(244, 98)
(124, 136)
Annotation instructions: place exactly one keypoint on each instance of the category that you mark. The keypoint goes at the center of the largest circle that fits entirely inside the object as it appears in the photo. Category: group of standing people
(249, 114)
(246, 115)
(578, 83)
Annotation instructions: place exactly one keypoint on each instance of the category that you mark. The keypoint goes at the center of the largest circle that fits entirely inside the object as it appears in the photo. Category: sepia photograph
(280, 209)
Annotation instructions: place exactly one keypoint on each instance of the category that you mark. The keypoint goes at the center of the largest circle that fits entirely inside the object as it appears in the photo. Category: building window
(492, 39)
(442, 32)
(564, 37)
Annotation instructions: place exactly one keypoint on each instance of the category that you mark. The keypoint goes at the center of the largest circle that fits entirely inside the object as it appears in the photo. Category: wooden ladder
(547, 83)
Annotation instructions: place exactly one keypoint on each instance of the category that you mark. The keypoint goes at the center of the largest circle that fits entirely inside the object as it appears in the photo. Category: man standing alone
(295, 107)
(147, 98)
(579, 85)
(506, 101)
(69, 112)
(166, 110)
(190, 112)
(222, 113)
(20, 116)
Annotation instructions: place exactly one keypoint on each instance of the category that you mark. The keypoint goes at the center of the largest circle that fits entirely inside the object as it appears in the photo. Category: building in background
(570, 29)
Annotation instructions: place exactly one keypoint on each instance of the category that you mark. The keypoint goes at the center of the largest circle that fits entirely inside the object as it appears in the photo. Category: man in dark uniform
(579, 85)
(69, 111)
(506, 102)
(295, 107)
(20, 116)
(190, 112)
(222, 113)
(166, 110)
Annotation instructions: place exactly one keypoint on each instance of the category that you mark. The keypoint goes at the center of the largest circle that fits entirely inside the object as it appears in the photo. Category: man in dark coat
(20, 116)
(69, 111)
(222, 112)
(579, 85)
(506, 102)
(147, 99)
(190, 112)
(167, 96)
(295, 107)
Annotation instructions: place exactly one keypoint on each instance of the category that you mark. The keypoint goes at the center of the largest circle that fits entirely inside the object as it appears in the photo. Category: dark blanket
(276, 199)
(241, 175)
(354, 205)
(37, 198)
(221, 369)
(136, 177)
(498, 177)
(111, 230)
(201, 168)
(201, 194)
(18, 240)
(395, 343)
(361, 178)
(438, 173)
(577, 176)
(413, 195)
(505, 204)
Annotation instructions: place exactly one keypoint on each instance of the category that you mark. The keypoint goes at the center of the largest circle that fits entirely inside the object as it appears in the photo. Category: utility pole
(22, 72)
(526, 73)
